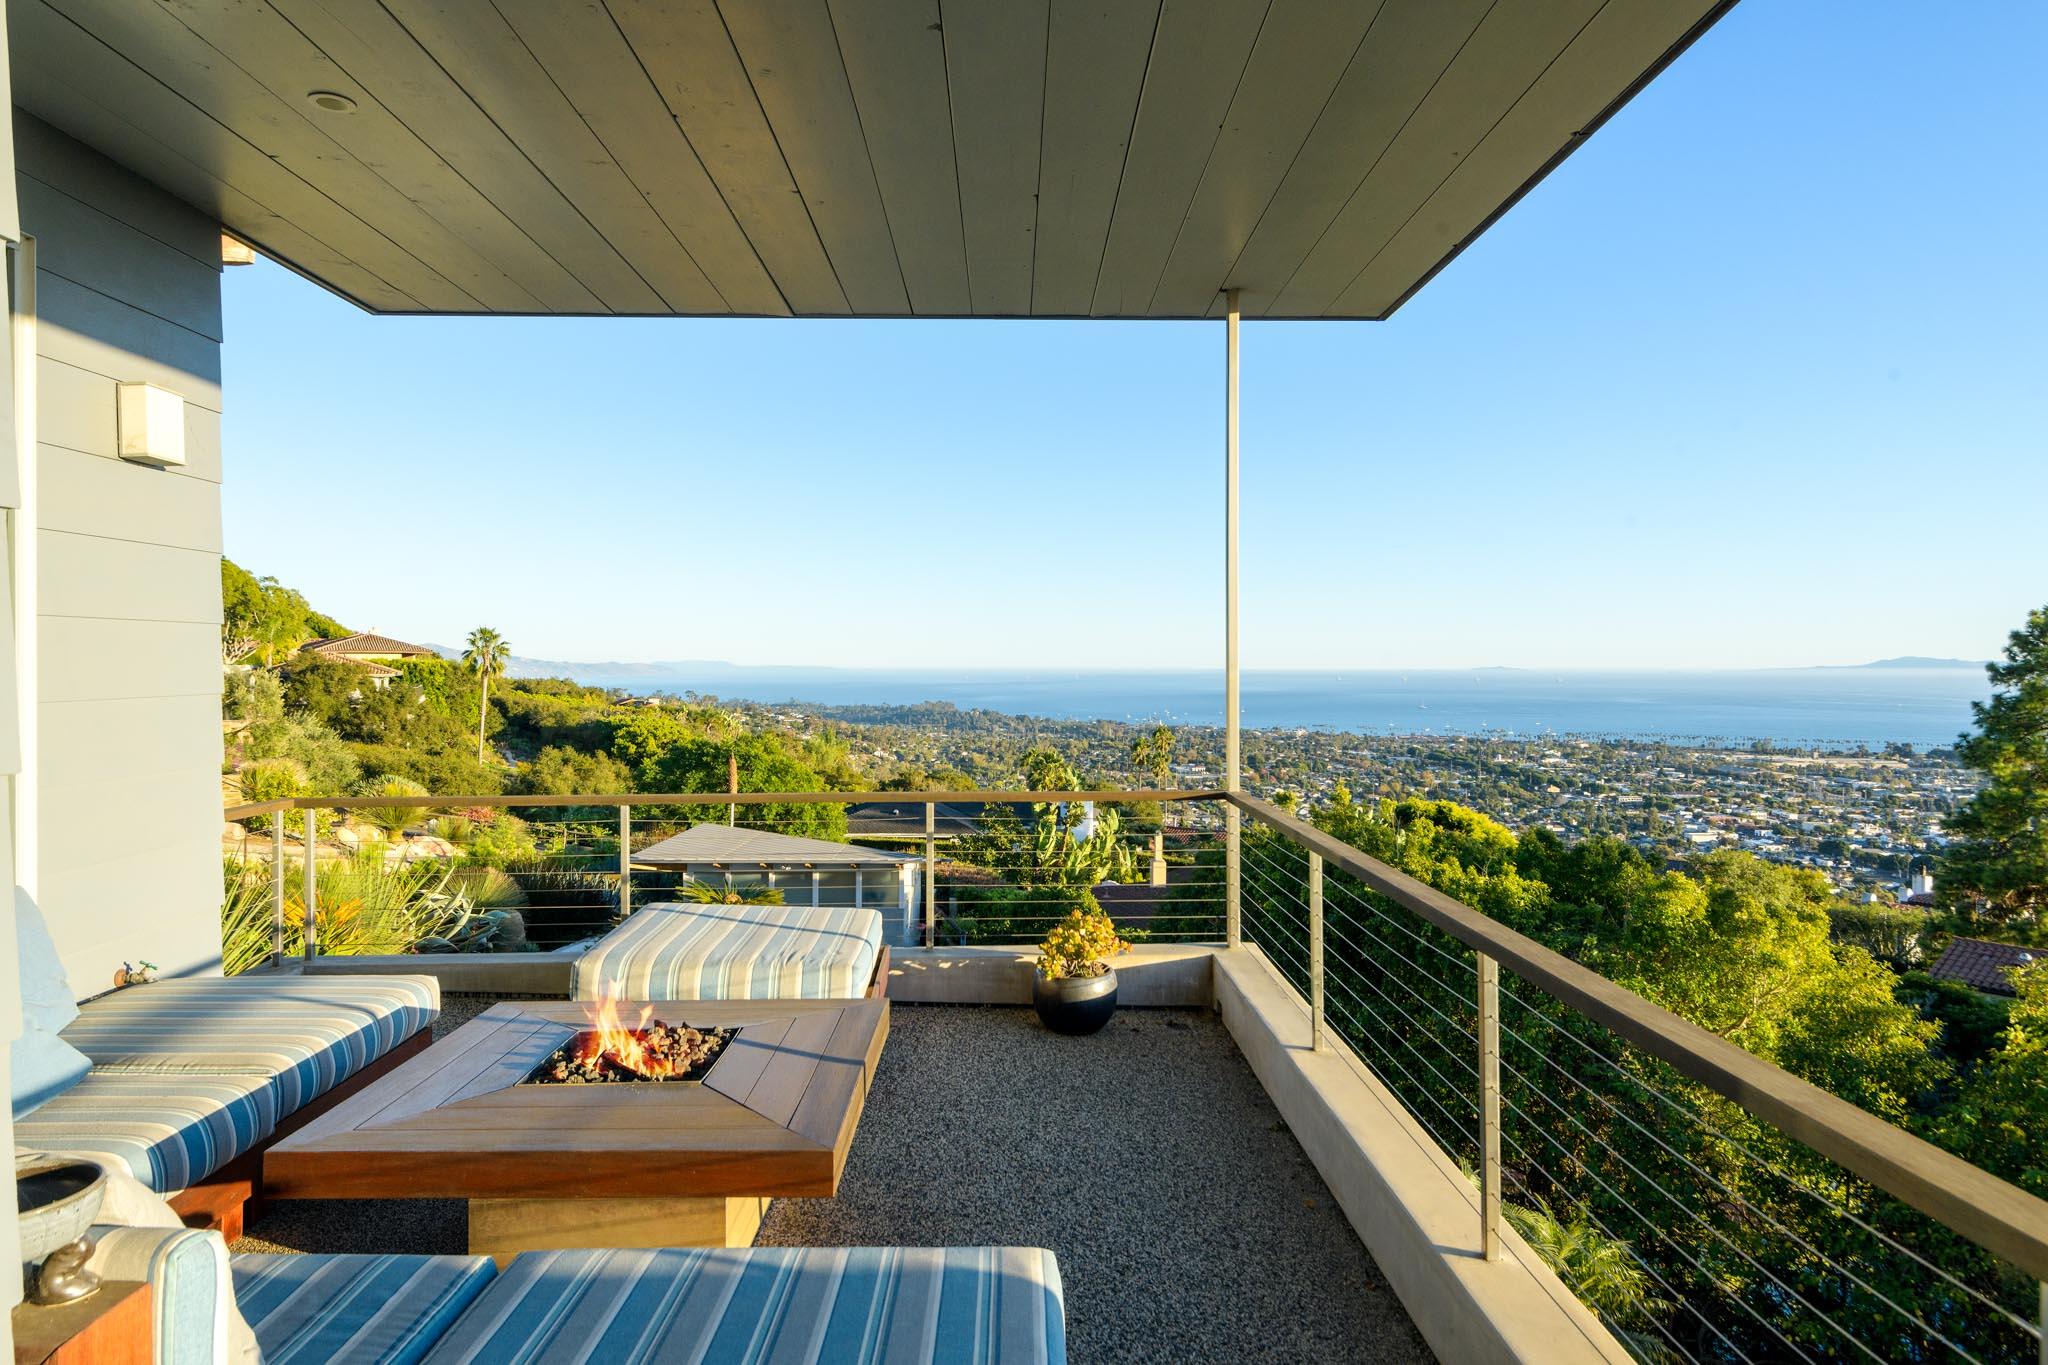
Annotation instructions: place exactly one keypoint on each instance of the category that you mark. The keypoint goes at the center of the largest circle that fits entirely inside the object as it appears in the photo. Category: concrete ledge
(1157, 974)
(1411, 1205)
(465, 973)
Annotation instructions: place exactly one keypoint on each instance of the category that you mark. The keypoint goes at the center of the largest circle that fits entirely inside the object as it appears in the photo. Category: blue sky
(1756, 378)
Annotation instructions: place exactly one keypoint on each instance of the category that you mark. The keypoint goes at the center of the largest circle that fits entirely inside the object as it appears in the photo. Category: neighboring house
(1920, 892)
(805, 871)
(376, 655)
(1982, 965)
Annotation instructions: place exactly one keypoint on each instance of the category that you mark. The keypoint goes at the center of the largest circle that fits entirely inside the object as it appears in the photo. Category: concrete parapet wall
(1410, 1203)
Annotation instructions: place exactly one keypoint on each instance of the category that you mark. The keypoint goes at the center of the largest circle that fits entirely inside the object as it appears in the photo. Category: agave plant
(362, 904)
(710, 893)
(246, 916)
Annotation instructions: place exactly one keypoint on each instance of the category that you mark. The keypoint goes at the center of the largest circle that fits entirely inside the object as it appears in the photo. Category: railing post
(1233, 857)
(277, 888)
(931, 874)
(308, 894)
(625, 861)
(1489, 1108)
(1315, 952)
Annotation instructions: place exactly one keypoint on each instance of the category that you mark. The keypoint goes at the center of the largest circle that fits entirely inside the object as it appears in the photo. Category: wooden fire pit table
(637, 1164)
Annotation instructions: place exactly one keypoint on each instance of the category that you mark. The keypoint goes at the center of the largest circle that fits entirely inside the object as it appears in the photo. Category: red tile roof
(369, 644)
(1982, 964)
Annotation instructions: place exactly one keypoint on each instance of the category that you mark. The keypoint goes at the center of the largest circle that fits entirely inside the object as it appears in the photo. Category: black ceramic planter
(1074, 1004)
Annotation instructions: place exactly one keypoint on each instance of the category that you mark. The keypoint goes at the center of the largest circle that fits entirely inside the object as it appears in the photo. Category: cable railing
(1708, 1205)
(399, 874)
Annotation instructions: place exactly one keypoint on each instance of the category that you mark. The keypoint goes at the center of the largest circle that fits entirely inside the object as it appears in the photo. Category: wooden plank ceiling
(992, 158)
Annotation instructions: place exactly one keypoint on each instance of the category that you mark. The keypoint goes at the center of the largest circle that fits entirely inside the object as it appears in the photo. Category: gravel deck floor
(1188, 1223)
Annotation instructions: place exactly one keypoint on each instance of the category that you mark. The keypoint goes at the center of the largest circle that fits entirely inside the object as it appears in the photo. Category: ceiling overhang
(872, 158)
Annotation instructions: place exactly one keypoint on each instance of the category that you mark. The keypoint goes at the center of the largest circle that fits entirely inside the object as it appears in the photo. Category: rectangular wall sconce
(149, 424)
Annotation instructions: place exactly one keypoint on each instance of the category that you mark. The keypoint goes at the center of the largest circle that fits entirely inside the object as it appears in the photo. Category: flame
(609, 1037)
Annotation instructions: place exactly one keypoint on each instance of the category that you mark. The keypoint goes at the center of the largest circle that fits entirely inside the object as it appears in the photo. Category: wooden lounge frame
(229, 1196)
(669, 1164)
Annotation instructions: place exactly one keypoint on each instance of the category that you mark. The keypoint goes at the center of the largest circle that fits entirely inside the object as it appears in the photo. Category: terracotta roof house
(1983, 965)
(375, 654)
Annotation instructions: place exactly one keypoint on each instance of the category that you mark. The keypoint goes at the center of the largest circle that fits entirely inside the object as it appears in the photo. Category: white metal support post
(1315, 952)
(1489, 1108)
(625, 861)
(1233, 819)
(308, 932)
(277, 888)
(931, 868)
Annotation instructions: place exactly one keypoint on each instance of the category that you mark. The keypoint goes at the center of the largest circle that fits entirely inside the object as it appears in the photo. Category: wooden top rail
(704, 799)
(2002, 1218)
(256, 808)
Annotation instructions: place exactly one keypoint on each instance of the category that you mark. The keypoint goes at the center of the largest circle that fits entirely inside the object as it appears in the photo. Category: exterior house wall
(128, 567)
(14, 387)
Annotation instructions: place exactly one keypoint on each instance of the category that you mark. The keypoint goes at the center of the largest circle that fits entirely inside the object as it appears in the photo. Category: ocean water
(1832, 707)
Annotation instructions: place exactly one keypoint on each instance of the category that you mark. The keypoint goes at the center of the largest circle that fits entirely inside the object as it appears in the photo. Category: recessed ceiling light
(332, 101)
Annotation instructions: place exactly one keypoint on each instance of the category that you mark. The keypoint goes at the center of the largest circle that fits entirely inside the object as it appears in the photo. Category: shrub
(1598, 1268)
(565, 907)
(392, 821)
(1013, 914)
(270, 779)
(364, 904)
(1079, 944)
(501, 842)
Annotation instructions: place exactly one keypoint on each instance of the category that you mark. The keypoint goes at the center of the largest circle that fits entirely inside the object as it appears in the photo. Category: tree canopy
(2001, 860)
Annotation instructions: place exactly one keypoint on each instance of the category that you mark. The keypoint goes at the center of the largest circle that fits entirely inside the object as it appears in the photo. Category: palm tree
(485, 657)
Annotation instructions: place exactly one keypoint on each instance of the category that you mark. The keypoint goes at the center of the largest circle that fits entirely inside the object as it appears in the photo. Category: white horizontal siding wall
(128, 559)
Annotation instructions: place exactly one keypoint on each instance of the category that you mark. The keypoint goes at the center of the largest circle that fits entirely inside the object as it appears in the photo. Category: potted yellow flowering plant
(1074, 988)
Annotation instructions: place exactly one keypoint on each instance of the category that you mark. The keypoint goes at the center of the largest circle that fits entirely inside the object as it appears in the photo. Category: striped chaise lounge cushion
(735, 952)
(310, 1032)
(738, 1306)
(169, 1130)
(364, 1310)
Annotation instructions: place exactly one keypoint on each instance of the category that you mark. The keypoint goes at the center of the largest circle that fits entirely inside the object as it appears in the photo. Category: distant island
(1918, 661)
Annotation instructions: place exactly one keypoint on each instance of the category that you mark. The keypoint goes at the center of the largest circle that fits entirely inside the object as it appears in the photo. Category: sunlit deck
(1188, 1223)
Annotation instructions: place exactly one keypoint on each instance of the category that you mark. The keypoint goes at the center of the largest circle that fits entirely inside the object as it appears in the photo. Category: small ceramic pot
(1074, 1004)
(57, 1198)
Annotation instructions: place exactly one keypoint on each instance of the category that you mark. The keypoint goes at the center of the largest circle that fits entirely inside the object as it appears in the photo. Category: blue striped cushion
(366, 1310)
(311, 1032)
(169, 1130)
(738, 1306)
(735, 952)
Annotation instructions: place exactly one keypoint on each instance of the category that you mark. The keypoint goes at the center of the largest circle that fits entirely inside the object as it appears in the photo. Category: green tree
(2001, 858)
(486, 657)
(261, 616)
(558, 770)
(701, 764)
(1153, 753)
(1999, 1120)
